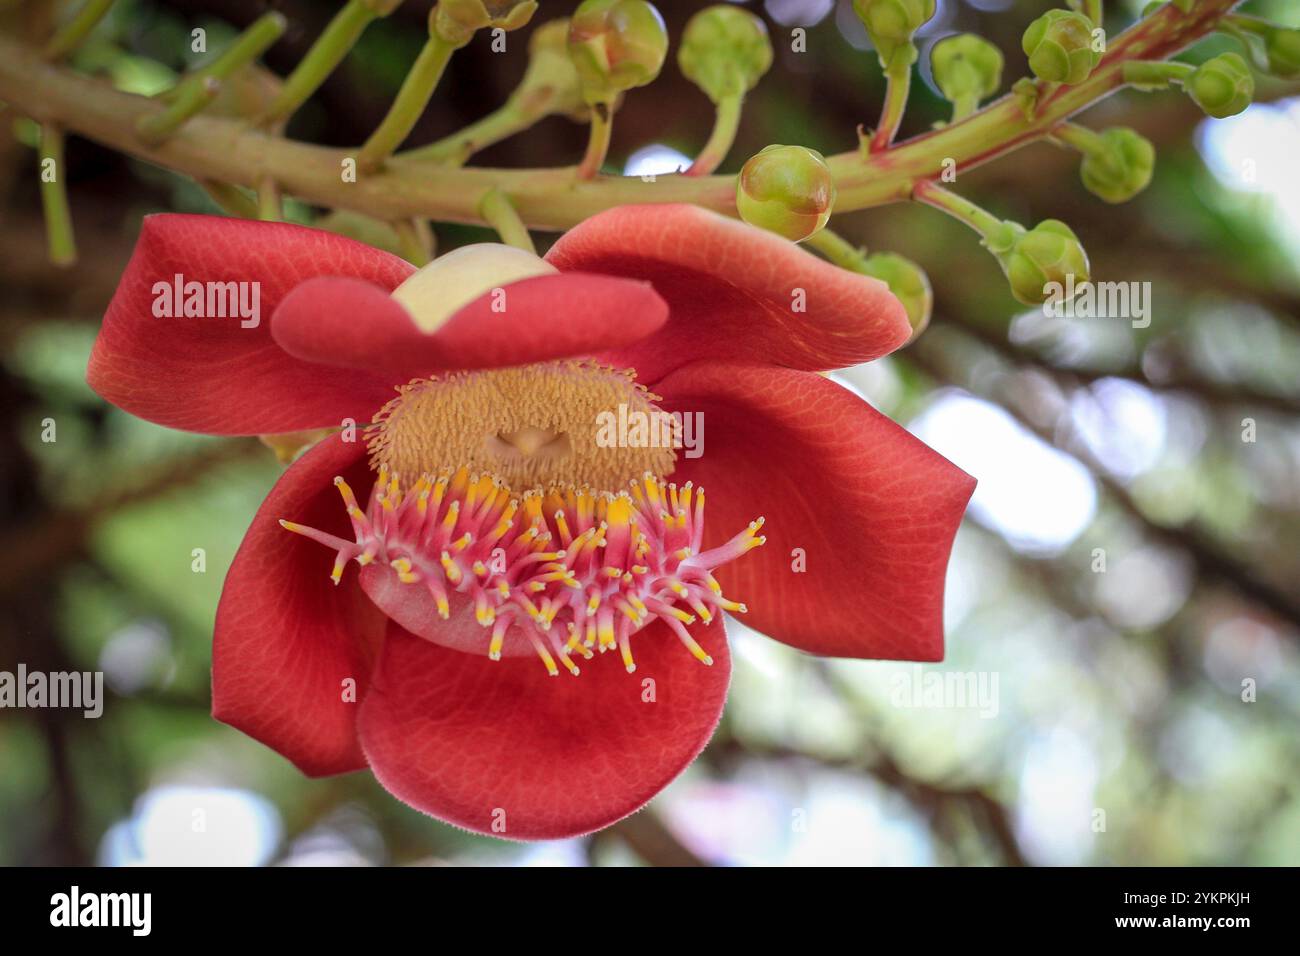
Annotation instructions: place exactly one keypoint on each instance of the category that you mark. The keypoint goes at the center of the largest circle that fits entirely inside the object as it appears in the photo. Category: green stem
(1248, 24)
(412, 241)
(602, 128)
(898, 84)
(1151, 74)
(248, 46)
(1085, 140)
(321, 60)
(230, 199)
(964, 105)
(500, 213)
(725, 124)
(456, 149)
(269, 205)
(192, 99)
(838, 250)
(1092, 9)
(77, 29)
(409, 105)
(54, 198)
(963, 210)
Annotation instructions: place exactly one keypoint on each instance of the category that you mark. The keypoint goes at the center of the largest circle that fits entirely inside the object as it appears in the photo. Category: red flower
(706, 312)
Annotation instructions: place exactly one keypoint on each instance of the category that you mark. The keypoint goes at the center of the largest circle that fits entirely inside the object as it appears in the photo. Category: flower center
(594, 548)
(535, 426)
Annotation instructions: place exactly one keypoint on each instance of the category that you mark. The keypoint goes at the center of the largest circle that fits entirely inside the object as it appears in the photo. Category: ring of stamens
(578, 571)
(577, 568)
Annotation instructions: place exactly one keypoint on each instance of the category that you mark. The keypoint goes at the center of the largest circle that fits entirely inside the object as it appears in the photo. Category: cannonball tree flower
(464, 562)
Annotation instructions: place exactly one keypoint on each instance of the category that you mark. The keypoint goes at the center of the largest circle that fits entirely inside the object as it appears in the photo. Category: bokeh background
(1118, 691)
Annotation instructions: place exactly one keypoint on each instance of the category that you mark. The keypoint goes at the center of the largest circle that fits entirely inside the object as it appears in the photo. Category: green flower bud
(907, 281)
(724, 51)
(1059, 47)
(1222, 86)
(1120, 166)
(787, 190)
(966, 67)
(891, 24)
(551, 72)
(616, 45)
(456, 21)
(1043, 256)
(1282, 48)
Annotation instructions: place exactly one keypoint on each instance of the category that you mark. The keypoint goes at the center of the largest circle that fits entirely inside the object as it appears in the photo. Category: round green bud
(787, 190)
(616, 45)
(1121, 165)
(966, 66)
(1060, 47)
(1222, 86)
(891, 24)
(724, 51)
(1041, 260)
(1282, 48)
(456, 21)
(907, 281)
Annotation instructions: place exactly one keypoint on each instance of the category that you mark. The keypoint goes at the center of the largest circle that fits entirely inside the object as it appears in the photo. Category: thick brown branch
(230, 151)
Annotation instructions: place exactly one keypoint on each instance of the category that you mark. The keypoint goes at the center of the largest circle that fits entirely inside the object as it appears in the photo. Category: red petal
(286, 637)
(211, 374)
(733, 290)
(354, 324)
(463, 738)
(873, 509)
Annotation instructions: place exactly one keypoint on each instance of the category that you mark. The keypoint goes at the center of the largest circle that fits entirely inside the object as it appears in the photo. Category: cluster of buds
(582, 67)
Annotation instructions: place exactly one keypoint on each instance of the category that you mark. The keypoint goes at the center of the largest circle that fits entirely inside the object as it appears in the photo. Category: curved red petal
(872, 510)
(476, 742)
(355, 324)
(734, 290)
(286, 637)
(214, 374)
